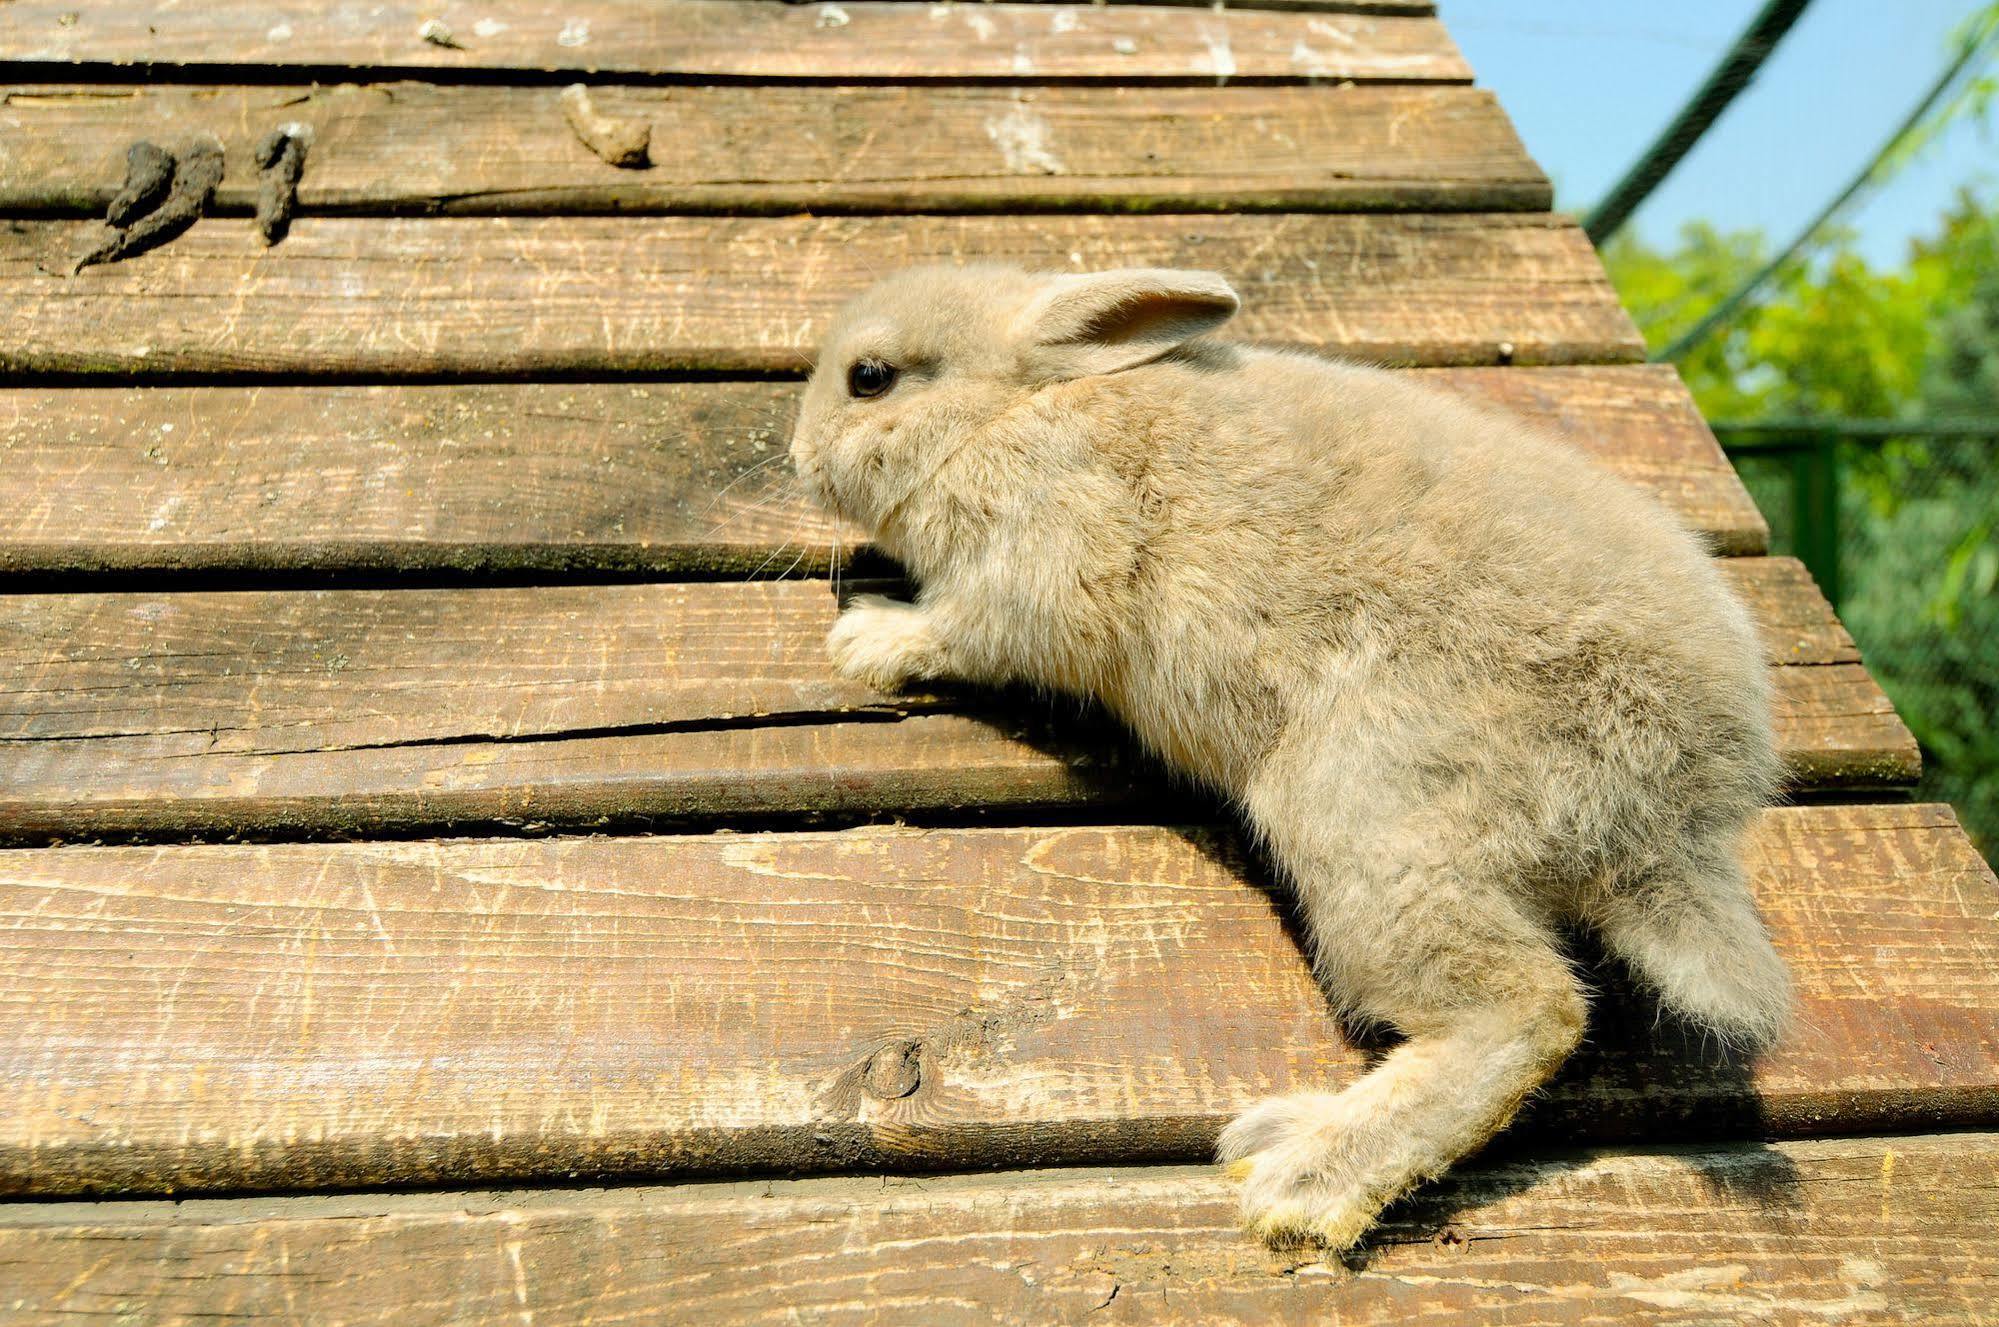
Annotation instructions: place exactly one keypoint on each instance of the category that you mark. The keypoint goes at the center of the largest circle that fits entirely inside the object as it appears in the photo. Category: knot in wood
(894, 1071)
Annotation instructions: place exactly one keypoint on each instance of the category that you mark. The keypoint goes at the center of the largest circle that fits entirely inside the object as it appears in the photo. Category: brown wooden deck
(419, 799)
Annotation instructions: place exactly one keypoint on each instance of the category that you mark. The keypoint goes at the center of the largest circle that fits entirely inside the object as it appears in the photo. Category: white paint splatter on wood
(1221, 56)
(1021, 135)
(1308, 61)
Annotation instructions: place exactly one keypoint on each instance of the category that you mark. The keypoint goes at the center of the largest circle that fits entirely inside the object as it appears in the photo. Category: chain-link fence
(1903, 534)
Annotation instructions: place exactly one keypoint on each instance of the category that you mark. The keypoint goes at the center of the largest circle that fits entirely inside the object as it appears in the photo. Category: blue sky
(1590, 82)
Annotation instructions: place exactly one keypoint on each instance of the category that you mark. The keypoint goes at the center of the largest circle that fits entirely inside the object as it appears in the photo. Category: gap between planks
(419, 148)
(296, 1017)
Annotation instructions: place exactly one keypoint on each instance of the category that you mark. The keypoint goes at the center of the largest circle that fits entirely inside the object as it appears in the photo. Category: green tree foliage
(1836, 338)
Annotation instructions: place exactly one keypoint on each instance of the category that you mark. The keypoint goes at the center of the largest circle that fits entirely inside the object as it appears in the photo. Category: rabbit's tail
(1700, 944)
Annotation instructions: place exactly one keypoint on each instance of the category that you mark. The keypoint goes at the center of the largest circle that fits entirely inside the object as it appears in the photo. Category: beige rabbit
(1466, 688)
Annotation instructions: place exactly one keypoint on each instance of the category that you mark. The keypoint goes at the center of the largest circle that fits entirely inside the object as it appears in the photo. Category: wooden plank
(1836, 731)
(1418, 7)
(304, 1016)
(856, 39)
(365, 711)
(627, 654)
(647, 477)
(536, 295)
(1640, 423)
(1854, 1231)
(416, 147)
(987, 763)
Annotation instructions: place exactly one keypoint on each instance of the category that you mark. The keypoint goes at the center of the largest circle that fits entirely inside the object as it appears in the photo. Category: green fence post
(1815, 512)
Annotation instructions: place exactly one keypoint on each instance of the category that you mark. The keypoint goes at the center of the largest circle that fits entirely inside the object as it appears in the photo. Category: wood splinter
(149, 174)
(196, 174)
(280, 161)
(621, 141)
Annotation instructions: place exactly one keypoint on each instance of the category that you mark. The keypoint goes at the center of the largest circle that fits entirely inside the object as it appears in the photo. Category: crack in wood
(887, 712)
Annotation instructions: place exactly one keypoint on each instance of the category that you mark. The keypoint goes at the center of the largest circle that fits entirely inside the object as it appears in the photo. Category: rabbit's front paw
(1297, 1188)
(885, 644)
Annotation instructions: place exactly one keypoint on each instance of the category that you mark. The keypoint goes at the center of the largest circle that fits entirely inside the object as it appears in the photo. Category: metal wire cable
(1728, 79)
(1732, 304)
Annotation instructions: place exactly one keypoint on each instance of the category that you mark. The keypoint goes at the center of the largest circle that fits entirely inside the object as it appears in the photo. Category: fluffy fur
(1467, 688)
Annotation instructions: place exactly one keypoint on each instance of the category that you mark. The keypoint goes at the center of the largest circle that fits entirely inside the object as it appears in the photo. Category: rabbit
(1465, 689)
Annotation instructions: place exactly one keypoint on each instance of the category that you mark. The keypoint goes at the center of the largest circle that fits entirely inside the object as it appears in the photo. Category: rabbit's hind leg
(1490, 1008)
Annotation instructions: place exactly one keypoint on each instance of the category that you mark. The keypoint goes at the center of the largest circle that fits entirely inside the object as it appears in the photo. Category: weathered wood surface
(649, 653)
(1852, 1231)
(348, 1014)
(1643, 425)
(982, 762)
(539, 295)
(1836, 730)
(357, 711)
(415, 147)
(1418, 7)
(652, 477)
(855, 39)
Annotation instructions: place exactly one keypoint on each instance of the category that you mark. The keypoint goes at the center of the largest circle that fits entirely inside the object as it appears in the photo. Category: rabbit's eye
(870, 377)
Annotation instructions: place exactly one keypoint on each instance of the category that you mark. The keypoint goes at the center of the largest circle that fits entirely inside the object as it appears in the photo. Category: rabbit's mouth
(805, 463)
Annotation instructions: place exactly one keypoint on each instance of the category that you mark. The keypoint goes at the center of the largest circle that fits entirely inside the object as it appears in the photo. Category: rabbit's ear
(1106, 321)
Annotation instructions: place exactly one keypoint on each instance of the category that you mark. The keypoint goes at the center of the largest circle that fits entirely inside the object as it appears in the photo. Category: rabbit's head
(917, 371)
